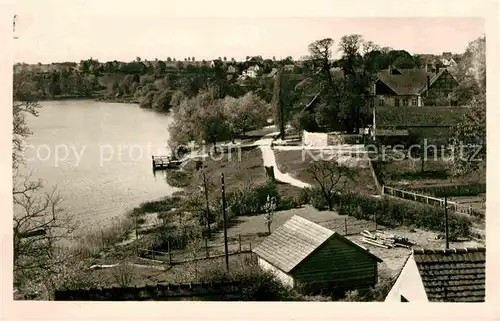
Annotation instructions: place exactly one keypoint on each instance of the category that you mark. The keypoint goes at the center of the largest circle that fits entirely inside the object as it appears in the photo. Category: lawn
(436, 172)
(239, 168)
(293, 162)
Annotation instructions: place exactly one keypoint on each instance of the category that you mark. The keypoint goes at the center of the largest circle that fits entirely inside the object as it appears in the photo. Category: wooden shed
(304, 254)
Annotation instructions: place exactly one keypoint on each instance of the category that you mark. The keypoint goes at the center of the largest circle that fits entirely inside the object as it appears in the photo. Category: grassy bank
(436, 172)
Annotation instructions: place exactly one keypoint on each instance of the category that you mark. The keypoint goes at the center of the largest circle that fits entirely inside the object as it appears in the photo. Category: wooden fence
(349, 225)
(436, 201)
(244, 243)
(196, 253)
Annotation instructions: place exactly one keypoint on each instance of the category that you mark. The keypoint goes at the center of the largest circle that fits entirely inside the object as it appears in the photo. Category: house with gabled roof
(305, 255)
(449, 275)
(406, 87)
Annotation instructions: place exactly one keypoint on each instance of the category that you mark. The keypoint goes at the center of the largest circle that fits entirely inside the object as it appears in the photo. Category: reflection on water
(98, 155)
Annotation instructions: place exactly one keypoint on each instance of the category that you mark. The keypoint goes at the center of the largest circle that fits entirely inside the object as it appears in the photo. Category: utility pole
(136, 235)
(225, 220)
(206, 198)
(446, 222)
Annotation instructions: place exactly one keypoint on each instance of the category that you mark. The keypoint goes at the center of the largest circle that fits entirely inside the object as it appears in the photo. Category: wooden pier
(164, 162)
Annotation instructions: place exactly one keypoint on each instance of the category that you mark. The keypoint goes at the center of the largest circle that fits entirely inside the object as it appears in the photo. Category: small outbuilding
(303, 254)
(451, 275)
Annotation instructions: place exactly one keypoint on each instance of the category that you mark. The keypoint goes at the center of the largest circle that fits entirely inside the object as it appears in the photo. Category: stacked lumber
(385, 240)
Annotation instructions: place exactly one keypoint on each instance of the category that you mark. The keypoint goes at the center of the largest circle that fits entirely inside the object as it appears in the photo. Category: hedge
(393, 212)
(421, 116)
(453, 190)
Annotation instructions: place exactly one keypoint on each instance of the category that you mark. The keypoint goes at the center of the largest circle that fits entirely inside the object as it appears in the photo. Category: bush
(256, 285)
(176, 238)
(178, 178)
(287, 202)
(393, 212)
(304, 196)
(454, 190)
(163, 205)
(317, 199)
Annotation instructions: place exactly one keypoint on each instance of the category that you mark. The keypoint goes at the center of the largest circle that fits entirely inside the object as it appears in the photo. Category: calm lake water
(98, 155)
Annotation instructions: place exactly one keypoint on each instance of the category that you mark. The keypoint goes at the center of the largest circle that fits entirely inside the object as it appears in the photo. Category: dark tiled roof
(453, 275)
(409, 82)
(157, 292)
(294, 241)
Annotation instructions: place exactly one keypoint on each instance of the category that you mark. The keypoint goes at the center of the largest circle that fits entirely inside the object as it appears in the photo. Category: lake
(98, 155)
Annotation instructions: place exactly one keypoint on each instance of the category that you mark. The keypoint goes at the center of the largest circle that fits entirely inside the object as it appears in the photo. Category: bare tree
(269, 207)
(331, 178)
(38, 224)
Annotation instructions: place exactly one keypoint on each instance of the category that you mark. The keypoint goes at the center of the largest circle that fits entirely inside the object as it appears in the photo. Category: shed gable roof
(453, 275)
(294, 241)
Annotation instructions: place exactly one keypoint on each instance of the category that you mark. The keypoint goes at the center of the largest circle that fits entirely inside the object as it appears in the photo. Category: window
(405, 101)
(381, 101)
(403, 299)
(414, 101)
(396, 102)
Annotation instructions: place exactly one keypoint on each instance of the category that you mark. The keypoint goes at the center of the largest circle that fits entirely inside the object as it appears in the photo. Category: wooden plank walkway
(161, 162)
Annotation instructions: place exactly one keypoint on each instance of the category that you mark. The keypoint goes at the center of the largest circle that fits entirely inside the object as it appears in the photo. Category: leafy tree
(161, 67)
(177, 97)
(246, 112)
(200, 118)
(350, 46)
(161, 100)
(469, 139)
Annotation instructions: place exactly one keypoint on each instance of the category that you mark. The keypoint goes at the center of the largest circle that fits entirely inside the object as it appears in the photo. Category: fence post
(239, 242)
(206, 248)
(345, 225)
(169, 254)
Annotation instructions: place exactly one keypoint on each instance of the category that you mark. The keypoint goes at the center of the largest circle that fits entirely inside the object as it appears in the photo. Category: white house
(252, 71)
(451, 275)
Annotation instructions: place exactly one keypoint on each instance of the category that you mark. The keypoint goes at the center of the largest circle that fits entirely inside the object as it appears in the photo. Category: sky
(56, 31)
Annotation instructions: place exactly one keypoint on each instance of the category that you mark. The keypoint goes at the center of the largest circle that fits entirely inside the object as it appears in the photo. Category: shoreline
(122, 100)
